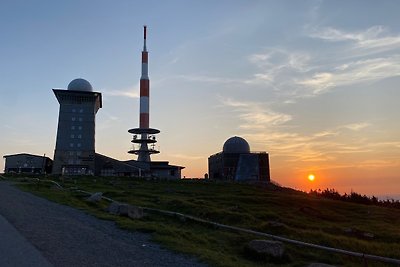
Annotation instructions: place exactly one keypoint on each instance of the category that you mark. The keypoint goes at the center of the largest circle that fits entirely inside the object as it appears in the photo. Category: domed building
(75, 144)
(236, 162)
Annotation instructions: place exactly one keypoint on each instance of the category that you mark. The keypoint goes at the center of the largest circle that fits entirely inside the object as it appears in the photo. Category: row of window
(79, 136)
(74, 119)
(73, 145)
(72, 161)
(73, 127)
(80, 110)
(78, 153)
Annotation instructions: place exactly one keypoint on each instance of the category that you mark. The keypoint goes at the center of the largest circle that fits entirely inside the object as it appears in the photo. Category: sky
(313, 83)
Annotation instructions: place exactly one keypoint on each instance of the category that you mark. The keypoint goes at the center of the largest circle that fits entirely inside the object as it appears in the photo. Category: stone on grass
(135, 212)
(95, 197)
(123, 209)
(268, 248)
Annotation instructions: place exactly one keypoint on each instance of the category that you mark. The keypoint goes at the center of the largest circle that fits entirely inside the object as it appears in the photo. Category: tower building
(75, 144)
(144, 135)
(237, 163)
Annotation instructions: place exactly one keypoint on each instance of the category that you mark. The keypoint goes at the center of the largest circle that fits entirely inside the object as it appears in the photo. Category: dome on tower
(80, 85)
(236, 144)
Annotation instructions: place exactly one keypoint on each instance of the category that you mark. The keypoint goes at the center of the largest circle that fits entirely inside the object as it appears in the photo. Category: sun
(311, 177)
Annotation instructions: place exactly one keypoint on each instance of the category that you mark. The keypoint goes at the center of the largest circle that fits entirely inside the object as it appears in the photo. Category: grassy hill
(270, 209)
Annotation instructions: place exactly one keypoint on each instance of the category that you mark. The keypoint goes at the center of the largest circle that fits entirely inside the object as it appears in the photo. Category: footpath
(37, 232)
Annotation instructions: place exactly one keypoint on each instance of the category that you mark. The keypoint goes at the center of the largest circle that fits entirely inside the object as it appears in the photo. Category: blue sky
(314, 83)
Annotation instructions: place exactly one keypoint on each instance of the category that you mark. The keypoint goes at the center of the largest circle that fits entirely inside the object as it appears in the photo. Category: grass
(269, 209)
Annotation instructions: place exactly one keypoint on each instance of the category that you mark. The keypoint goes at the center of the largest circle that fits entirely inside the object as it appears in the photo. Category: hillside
(270, 209)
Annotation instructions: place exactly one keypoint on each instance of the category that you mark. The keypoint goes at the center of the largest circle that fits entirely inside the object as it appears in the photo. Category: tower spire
(147, 135)
(144, 37)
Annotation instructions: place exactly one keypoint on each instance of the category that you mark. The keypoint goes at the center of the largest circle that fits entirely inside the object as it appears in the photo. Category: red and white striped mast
(147, 134)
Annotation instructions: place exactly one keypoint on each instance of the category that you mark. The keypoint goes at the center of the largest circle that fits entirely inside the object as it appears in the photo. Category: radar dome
(80, 85)
(236, 144)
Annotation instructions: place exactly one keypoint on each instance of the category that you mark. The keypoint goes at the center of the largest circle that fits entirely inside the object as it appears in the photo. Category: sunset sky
(314, 83)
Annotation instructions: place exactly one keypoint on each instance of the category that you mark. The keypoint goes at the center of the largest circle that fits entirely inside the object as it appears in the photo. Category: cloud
(376, 37)
(345, 58)
(356, 126)
(356, 72)
(255, 115)
(128, 92)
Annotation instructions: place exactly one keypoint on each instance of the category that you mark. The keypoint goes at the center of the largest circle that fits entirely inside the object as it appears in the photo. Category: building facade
(75, 144)
(237, 163)
(27, 163)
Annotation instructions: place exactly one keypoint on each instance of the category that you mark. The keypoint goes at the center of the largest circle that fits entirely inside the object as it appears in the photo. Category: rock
(123, 209)
(320, 265)
(274, 249)
(368, 235)
(135, 212)
(113, 208)
(95, 197)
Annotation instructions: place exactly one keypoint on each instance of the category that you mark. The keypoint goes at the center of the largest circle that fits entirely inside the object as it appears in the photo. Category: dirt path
(68, 237)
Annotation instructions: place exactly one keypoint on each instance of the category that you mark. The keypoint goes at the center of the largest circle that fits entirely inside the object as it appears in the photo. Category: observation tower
(144, 136)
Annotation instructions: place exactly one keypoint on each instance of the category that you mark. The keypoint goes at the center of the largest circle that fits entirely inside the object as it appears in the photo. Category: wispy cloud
(128, 92)
(353, 73)
(356, 126)
(350, 58)
(376, 37)
(255, 115)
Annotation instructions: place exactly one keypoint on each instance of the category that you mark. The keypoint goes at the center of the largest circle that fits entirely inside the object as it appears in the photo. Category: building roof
(25, 154)
(236, 145)
(80, 85)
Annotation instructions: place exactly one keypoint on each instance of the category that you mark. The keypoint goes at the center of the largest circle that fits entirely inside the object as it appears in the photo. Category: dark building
(106, 166)
(75, 145)
(27, 163)
(236, 162)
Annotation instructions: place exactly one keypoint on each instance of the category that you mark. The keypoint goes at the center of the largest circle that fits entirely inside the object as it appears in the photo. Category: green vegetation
(270, 209)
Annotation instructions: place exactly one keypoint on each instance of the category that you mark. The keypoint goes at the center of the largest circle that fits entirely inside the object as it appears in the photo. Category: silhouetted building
(106, 166)
(75, 145)
(236, 162)
(27, 163)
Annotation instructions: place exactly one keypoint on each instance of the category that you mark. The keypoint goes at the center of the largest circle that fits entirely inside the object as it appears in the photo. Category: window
(79, 136)
(73, 110)
(78, 153)
(73, 118)
(71, 144)
(81, 110)
(73, 127)
(80, 127)
(79, 145)
(72, 136)
(80, 118)
(71, 153)
(70, 161)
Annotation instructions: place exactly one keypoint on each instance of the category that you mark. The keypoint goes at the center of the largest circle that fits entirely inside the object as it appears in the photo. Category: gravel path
(68, 237)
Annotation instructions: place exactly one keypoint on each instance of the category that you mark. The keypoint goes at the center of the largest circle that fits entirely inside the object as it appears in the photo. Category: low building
(27, 163)
(236, 162)
(106, 166)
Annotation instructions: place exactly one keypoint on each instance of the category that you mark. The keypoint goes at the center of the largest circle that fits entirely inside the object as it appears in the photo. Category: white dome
(236, 144)
(80, 85)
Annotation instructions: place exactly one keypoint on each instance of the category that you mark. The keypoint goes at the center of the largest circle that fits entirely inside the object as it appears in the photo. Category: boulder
(268, 248)
(95, 197)
(123, 209)
(113, 208)
(135, 212)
